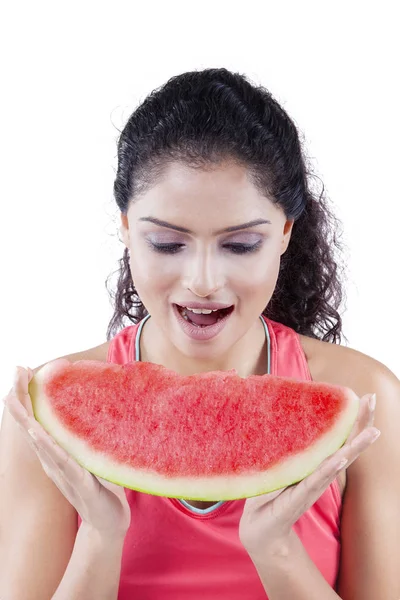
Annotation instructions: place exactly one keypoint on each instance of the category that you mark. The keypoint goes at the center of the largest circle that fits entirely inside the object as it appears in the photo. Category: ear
(287, 232)
(124, 229)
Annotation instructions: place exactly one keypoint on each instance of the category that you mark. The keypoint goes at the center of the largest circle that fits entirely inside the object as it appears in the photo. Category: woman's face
(194, 257)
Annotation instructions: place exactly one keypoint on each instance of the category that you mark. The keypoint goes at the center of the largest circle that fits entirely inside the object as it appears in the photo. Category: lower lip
(200, 333)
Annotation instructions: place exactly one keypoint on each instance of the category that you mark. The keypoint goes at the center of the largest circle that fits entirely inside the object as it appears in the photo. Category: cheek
(152, 272)
(259, 275)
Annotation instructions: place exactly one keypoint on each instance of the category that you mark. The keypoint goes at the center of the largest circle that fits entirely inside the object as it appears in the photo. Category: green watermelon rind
(286, 472)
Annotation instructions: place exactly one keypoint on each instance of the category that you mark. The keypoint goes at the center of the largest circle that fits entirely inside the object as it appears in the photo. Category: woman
(217, 212)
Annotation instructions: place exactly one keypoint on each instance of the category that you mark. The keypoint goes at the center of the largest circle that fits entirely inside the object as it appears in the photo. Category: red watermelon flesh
(209, 436)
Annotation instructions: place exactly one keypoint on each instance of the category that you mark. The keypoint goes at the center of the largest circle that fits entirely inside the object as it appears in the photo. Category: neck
(248, 355)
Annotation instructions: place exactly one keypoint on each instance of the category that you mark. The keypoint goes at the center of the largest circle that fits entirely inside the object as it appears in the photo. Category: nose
(204, 274)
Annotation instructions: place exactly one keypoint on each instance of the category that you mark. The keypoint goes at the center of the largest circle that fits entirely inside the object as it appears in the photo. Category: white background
(72, 74)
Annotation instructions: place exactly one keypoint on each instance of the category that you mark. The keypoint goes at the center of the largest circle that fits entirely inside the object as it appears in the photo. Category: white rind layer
(286, 472)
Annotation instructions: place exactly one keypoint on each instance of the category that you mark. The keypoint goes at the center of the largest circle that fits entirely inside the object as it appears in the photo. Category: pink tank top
(173, 551)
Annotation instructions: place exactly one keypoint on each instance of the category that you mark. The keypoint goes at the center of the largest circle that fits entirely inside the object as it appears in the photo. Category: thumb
(256, 502)
(22, 377)
(109, 485)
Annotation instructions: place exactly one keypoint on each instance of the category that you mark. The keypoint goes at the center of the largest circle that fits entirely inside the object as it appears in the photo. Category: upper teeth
(201, 311)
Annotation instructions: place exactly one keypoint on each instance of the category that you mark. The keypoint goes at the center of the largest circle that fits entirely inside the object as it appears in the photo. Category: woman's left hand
(267, 520)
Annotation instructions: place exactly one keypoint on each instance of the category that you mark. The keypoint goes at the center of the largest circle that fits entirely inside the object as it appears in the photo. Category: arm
(370, 527)
(38, 534)
(38, 526)
(289, 572)
(370, 565)
(94, 569)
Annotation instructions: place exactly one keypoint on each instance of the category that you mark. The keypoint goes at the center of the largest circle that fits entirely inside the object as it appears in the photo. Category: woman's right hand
(101, 504)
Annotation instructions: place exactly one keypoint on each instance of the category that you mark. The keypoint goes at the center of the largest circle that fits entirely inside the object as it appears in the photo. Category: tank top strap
(287, 355)
(121, 347)
(142, 322)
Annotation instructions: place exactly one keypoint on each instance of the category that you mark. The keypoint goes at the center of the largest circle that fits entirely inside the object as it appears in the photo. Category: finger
(19, 412)
(52, 470)
(24, 420)
(256, 503)
(307, 492)
(16, 408)
(60, 458)
(45, 446)
(107, 484)
(80, 488)
(115, 488)
(76, 483)
(365, 417)
(362, 415)
(360, 443)
(22, 378)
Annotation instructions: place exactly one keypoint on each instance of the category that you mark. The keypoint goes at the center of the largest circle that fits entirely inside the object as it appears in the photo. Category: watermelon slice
(209, 436)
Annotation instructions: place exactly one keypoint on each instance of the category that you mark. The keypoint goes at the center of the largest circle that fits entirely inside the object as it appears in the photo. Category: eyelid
(245, 238)
(165, 238)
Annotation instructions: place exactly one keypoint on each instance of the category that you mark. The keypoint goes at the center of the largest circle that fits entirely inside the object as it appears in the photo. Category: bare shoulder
(346, 366)
(96, 353)
(370, 519)
(33, 510)
(341, 365)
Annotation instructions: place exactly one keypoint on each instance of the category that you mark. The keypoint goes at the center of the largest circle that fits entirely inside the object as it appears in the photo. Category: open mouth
(203, 320)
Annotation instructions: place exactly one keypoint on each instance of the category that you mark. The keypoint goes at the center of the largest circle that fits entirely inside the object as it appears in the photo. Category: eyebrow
(226, 230)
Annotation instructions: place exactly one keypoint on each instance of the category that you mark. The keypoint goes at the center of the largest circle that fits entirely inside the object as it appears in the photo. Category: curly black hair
(202, 118)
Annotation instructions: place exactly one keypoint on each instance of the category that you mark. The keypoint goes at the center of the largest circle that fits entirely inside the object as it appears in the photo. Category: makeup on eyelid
(247, 239)
(235, 247)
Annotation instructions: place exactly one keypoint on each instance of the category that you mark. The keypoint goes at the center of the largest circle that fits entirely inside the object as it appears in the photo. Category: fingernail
(46, 470)
(375, 435)
(372, 402)
(342, 463)
(32, 433)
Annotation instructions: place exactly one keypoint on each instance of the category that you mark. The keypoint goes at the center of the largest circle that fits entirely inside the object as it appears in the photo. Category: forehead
(220, 194)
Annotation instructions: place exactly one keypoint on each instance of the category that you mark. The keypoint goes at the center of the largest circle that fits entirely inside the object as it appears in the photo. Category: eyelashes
(166, 248)
(233, 248)
(243, 248)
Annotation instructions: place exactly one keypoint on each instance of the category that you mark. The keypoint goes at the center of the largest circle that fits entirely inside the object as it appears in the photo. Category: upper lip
(208, 305)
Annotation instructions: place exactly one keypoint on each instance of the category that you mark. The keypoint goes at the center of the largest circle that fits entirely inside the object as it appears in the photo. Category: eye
(234, 248)
(243, 248)
(166, 248)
